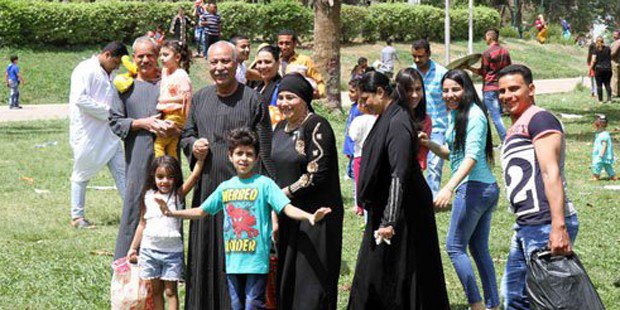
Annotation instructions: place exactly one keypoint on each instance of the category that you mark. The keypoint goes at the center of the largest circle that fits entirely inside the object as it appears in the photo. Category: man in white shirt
(388, 56)
(93, 143)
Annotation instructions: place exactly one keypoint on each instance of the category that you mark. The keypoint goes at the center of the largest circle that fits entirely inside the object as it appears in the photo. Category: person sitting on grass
(159, 237)
(603, 150)
(247, 200)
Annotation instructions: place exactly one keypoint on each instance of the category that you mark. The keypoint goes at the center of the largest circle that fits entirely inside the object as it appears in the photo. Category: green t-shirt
(475, 146)
(247, 205)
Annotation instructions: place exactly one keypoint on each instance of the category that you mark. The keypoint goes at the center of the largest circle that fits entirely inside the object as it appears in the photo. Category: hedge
(55, 23)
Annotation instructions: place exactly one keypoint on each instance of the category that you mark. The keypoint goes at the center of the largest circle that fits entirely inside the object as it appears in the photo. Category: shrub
(508, 32)
(284, 14)
(239, 18)
(353, 20)
(405, 22)
(53, 23)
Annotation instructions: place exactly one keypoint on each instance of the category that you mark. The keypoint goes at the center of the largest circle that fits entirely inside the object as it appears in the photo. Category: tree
(327, 35)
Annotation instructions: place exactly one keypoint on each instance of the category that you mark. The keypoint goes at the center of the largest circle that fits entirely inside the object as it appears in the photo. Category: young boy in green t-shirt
(247, 199)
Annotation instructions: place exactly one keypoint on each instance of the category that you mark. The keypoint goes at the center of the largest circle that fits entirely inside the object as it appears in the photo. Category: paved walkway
(61, 111)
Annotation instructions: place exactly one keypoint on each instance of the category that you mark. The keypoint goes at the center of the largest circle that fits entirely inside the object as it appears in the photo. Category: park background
(49, 265)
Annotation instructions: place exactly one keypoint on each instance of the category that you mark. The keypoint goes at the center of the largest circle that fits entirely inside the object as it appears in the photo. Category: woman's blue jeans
(470, 224)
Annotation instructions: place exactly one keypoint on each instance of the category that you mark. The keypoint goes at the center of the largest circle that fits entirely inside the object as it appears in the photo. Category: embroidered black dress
(306, 161)
(408, 273)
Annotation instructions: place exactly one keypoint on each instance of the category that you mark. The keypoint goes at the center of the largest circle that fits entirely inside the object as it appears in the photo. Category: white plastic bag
(128, 291)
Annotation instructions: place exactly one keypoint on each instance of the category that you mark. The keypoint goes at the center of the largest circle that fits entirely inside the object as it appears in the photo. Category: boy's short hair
(13, 58)
(495, 35)
(242, 136)
(422, 44)
(354, 83)
(288, 32)
(362, 60)
(235, 39)
(116, 49)
(517, 69)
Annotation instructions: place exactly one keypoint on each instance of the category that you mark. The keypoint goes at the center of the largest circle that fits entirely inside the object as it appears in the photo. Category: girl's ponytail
(183, 50)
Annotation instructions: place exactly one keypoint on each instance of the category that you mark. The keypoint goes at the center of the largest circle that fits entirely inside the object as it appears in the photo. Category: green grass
(48, 71)
(46, 264)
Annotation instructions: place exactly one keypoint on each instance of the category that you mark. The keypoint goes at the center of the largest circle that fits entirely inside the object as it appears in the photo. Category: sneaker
(81, 223)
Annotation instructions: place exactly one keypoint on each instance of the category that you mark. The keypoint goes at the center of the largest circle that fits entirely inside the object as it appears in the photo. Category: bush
(284, 14)
(54, 23)
(25, 22)
(239, 18)
(508, 32)
(353, 20)
(404, 22)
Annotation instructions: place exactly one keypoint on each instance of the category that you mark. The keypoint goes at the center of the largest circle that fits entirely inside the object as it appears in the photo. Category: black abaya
(211, 116)
(407, 274)
(309, 257)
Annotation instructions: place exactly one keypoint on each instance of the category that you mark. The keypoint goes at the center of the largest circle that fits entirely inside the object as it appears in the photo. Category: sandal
(81, 223)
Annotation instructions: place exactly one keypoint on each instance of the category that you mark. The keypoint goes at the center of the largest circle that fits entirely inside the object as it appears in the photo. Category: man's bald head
(222, 58)
(222, 47)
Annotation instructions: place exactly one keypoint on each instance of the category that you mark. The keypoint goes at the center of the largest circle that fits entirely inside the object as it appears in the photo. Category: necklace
(289, 129)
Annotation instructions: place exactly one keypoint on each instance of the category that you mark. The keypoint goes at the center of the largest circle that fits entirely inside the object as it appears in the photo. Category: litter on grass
(26, 179)
(101, 188)
(570, 116)
(41, 191)
(612, 187)
(46, 144)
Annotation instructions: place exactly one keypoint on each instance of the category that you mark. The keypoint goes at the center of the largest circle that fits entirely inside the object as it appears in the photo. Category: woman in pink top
(410, 87)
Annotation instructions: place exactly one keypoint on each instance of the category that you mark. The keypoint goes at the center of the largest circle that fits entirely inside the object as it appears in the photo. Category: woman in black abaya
(399, 264)
(306, 160)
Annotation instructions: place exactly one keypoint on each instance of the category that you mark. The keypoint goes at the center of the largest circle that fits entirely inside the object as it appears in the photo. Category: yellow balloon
(123, 82)
(129, 65)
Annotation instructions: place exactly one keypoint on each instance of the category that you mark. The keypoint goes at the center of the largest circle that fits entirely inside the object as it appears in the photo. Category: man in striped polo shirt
(212, 23)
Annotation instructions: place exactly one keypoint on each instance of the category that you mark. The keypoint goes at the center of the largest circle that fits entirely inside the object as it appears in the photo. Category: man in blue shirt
(13, 78)
(432, 74)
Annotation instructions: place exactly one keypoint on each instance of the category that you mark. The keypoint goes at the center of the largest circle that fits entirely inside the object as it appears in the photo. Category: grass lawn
(46, 264)
(48, 71)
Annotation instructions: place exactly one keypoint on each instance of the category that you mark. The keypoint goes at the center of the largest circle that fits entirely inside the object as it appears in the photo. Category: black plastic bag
(560, 282)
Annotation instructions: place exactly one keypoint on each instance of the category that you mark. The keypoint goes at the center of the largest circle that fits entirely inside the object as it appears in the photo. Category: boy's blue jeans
(470, 224)
(198, 39)
(247, 291)
(434, 163)
(13, 93)
(491, 101)
(525, 240)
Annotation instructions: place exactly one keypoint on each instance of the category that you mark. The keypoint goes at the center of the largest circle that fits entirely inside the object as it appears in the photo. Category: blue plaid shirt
(435, 107)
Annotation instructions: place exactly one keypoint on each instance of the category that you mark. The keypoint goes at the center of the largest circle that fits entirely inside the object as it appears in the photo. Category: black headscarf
(297, 84)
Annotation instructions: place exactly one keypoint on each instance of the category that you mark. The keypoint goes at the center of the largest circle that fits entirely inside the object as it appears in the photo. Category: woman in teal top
(470, 151)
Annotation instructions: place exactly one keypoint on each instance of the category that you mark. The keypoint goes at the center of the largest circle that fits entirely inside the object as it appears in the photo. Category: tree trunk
(327, 47)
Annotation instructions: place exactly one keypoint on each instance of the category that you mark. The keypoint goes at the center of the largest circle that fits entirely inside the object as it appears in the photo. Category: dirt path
(61, 111)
